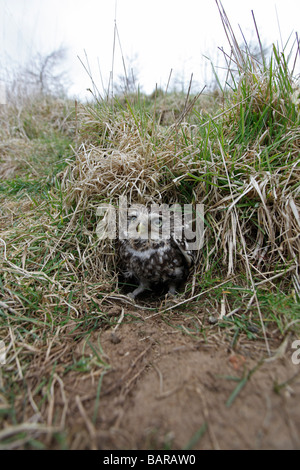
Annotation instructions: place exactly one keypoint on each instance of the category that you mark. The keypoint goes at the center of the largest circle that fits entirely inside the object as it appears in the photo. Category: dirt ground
(163, 389)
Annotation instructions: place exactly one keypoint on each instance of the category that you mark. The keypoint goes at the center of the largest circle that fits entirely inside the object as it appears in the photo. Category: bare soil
(163, 389)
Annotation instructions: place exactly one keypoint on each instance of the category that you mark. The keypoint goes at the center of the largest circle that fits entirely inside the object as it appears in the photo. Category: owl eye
(132, 217)
(157, 222)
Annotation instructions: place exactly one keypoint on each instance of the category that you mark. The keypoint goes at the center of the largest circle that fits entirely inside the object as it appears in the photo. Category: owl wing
(182, 246)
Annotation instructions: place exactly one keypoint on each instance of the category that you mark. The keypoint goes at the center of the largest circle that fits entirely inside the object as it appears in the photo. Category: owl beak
(140, 228)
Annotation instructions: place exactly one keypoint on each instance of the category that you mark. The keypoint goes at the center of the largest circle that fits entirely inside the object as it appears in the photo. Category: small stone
(115, 339)
(212, 320)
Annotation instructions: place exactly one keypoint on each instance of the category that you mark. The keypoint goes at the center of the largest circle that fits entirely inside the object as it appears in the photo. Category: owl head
(152, 223)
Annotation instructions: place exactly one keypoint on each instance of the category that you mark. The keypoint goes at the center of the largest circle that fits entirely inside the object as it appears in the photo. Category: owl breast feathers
(150, 254)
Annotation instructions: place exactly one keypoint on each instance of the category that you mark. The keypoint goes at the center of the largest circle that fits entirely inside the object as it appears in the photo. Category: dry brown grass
(59, 284)
(151, 164)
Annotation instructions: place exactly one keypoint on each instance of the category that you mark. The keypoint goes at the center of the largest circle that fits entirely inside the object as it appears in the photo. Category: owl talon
(141, 288)
(131, 295)
(169, 300)
(172, 291)
(171, 295)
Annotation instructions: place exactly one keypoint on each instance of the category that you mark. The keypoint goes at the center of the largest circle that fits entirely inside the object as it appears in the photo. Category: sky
(154, 36)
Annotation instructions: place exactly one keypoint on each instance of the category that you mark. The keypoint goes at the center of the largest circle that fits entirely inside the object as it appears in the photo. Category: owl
(152, 251)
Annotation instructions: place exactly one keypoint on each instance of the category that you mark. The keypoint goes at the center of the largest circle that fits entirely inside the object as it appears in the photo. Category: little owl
(153, 250)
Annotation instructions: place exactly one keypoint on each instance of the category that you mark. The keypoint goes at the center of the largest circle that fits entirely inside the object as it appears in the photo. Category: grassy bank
(235, 150)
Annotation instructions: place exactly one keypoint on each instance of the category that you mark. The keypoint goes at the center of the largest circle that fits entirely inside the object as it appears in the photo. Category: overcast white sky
(161, 34)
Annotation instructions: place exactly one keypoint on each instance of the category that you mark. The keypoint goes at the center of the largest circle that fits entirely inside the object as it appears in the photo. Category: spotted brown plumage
(150, 255)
